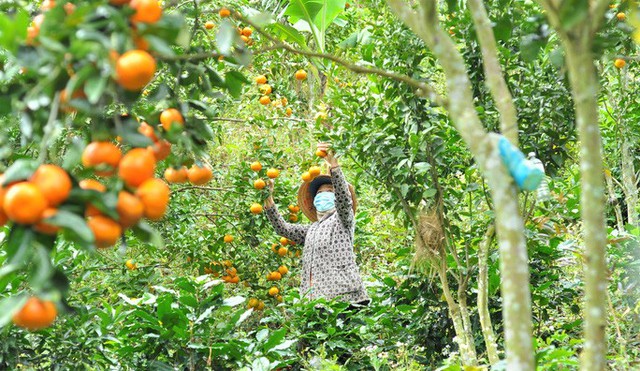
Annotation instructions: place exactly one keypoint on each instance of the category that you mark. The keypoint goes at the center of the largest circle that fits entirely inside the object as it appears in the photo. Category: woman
(329, 266)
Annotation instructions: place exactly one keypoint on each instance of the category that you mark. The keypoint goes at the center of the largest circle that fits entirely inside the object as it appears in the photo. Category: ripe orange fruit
(273, 173)
(69, 8)
(36, 314)
(137, 166)
(209, 25)
(47, 5)
(92, 184)
(293, 218)
(53, 182)
(283, 251)
(276, 276)
(321, 153)
(245, 39)
(284, 241)
(294, 208)
(173, 175)
(261, 79)
(621, 16)
(228, 238)
(253, 302)
(161, 149)
(170, 117)
(259, 184)
(273, 291)
(105, 230)
(306, 176)
(260, 305)
(283, 269)
(301, 75)
(288, 111)
(232, 271)
(135, 68)
(264, 100)
(147, 130)
(314, 171)
(266, 89)
(130, 209)
(199, 175)
(154, 194)
(619, 63)
(147, 11)
(141, 43)
(45, 228)
(102, 154)
(284, 101)
(24, 203)
(256, 208)
(256, 166)
(274, 246)
(224, 12)
(247, 31)
(131, 265)
(279, 298)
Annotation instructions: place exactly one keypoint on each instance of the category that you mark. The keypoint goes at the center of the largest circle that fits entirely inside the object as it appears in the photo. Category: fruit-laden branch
(423, 89)
(509, 224)
(578, 45)
(493, 71)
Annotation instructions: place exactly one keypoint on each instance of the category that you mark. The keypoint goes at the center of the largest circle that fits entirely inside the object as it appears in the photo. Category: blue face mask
(324, 201)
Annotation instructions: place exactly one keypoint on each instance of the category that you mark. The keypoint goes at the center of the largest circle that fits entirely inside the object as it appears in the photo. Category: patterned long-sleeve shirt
(329, 266)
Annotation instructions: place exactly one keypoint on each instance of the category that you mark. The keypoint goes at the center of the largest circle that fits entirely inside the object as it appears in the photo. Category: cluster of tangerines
(265, 89)
(225, 267)
(272, 173)
(314, 170)
(135, 68)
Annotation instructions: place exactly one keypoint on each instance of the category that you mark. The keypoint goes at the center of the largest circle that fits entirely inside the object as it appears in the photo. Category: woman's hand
(268, 202)
(329, 158)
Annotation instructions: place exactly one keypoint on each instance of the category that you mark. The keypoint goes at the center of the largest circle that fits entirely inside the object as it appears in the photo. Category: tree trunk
(467, 353)
(629, 180)
(614, 201)
(466, 319)
(584, 89)
(483, 292)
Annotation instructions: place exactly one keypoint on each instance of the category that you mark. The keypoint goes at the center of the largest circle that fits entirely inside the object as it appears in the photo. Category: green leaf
(148, 234)
(20, 170)
(18, 243)
(306, 10)
(275, 339)
(10, 306)
(234, 81)
(287, 33)
(225, 37)
(94, 87)
(73, 223)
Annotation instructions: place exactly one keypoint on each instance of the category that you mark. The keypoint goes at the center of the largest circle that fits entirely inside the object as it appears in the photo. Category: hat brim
(307, 191)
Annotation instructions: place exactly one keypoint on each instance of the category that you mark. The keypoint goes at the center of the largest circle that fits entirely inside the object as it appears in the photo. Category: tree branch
(423, 89)
(493, 71)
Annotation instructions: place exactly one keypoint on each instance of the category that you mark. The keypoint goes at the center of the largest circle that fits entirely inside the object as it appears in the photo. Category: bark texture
(483, 292)
(584, 88)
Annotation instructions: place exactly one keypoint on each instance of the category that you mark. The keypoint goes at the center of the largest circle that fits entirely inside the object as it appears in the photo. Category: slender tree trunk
(629, 180)
(466, 319)
(584, 88)
(466, 352)
(483, 293)
(614, 201)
